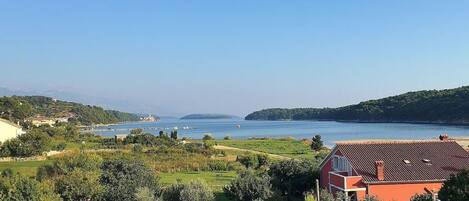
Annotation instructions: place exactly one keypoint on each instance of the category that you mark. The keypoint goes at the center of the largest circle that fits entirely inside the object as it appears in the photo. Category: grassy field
(27, 168)
(216, 180)
(283, 147)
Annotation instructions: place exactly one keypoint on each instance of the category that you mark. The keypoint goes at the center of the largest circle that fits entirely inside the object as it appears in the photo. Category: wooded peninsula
(449, 106)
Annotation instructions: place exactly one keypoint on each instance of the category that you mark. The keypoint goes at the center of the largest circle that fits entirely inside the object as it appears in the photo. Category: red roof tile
(445, 158)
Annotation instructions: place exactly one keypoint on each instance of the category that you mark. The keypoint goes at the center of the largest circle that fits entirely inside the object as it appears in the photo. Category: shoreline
(374, 121)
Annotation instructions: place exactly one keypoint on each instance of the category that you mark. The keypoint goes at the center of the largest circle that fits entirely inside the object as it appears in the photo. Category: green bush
(249, 161)
(310, 197)
(192, 191)
(79, 185)
(456, 187)
(248, 186)
(217, 165)
(137, 148)
(292, 178)
(121, 178)
(422, 197)
(208, 137)
(21, 188)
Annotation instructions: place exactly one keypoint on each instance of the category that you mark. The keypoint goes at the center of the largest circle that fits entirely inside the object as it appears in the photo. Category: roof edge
(360, 142)
(10, 123)
(404, 181)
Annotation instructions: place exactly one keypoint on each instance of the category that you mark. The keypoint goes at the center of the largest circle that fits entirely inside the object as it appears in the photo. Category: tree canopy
(432, 106)
(18, 108)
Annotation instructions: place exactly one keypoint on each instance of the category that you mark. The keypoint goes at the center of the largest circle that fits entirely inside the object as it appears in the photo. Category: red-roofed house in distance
(391, 170)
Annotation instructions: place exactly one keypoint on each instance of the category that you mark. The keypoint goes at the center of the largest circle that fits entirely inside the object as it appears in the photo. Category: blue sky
(178, 57)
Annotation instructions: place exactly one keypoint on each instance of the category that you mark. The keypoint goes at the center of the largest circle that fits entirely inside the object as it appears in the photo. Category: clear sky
(177, 57)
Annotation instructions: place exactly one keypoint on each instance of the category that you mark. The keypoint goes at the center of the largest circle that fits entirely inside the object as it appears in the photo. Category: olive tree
(248, 186)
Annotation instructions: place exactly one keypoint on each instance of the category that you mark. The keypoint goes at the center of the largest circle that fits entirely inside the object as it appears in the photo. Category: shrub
(35, 142)
(121, 179)
(309, 197)
(136, 131)
(422, 197)
(456, 187)
(79, 185)
(196, 191)
(145, 194)
(60, 146)
(208, 137)
(192, 191)
(21, 188)
(137, 148)
(292, 178)
(66, 165)
(248, 186)
(325, 195)
(249, 161)
(217, 165)
(262, 160)
(227, 137)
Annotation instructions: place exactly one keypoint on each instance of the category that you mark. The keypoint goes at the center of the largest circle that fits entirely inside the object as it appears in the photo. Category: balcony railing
(346, 183)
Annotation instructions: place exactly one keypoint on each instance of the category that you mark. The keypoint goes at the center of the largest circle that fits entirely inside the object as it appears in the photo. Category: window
(340, 164)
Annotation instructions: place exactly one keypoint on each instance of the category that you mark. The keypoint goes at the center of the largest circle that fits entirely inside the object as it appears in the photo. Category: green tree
(316, 143)
(208, 137)
(21, 188)
(292, 178)
(174, 134)
(79, 186)
(249, 161)
(456, 188)
(136, 131)
(35, 142)
(248, 186)
(262, 160)
(121, 179)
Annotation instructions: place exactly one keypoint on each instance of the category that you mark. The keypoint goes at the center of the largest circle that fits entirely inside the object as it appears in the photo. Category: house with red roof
(391, 170)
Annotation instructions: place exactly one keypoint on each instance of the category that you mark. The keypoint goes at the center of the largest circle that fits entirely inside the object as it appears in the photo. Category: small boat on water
(238, 126)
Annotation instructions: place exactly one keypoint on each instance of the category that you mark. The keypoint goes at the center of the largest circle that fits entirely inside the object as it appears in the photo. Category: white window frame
(341, 164)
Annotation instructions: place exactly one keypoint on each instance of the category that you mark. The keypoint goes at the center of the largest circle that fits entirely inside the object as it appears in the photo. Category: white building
(9, 130)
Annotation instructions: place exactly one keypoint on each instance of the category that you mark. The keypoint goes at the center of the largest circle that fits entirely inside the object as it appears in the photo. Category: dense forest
(18, 108)
(430, 106)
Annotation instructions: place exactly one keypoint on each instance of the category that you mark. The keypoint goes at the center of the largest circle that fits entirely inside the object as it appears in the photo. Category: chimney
(444, 137)
(379, 165)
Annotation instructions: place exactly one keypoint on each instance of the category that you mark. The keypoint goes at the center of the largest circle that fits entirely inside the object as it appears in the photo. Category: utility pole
(317, 190)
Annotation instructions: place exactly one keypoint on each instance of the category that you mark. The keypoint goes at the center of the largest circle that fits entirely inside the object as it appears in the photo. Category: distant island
(209, 116)
(449, 106)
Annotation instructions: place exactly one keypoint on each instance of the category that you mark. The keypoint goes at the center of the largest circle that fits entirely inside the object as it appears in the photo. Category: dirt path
(221, 147)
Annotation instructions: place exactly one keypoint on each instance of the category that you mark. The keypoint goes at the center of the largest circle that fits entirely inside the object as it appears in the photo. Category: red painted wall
(400, 192)
(324, 179)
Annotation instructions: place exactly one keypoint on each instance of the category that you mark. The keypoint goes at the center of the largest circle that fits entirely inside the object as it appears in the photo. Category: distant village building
(120, 137)
(9, 130)
(41, 120)
(150, 118)
(391, 170)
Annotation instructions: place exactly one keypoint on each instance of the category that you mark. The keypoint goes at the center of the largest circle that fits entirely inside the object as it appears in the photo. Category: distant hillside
(431, 106)
(209, 116)
(18, 108)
